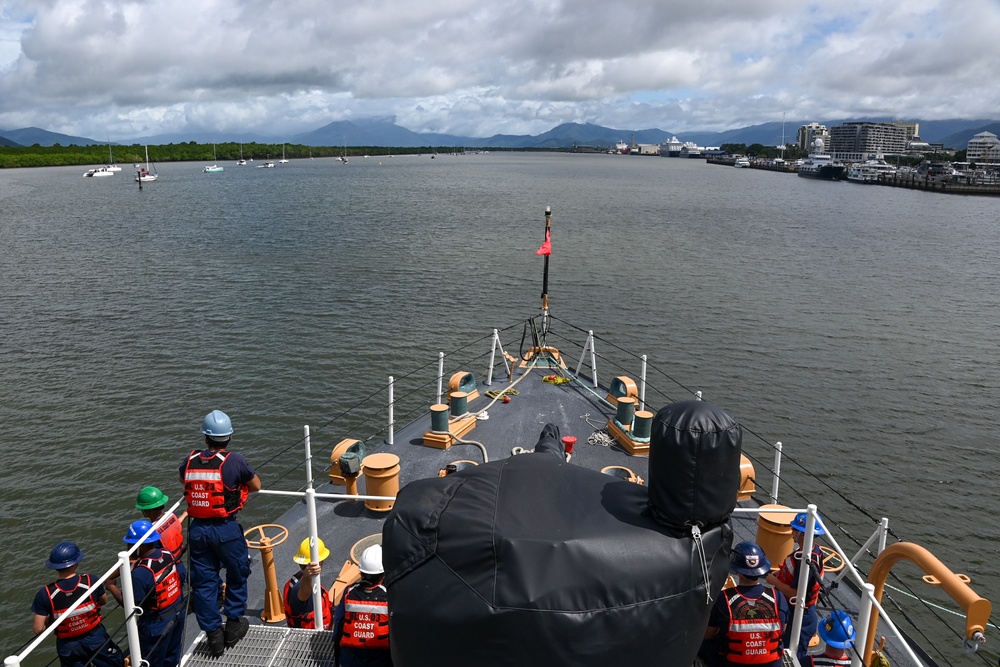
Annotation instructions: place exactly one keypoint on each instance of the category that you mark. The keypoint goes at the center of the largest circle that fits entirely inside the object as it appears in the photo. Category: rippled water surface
(858, 325)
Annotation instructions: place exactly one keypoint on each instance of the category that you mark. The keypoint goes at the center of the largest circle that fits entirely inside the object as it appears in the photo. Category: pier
(956, 185)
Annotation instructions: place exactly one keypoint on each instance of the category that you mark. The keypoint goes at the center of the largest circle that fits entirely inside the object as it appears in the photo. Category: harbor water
(857, 325)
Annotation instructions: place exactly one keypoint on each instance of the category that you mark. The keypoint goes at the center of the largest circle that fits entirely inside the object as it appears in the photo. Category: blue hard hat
(137, 530)
(799, 524)
(837, 630)
(217, 424)
(63, 555)
(749, 560)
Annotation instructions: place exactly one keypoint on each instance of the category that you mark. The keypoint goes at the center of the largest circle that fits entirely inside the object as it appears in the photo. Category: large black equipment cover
(535, 561)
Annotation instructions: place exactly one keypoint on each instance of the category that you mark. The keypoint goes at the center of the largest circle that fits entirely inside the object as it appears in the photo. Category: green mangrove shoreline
(73, 155)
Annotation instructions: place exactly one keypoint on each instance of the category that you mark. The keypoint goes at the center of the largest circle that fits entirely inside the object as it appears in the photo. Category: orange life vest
(206, 494)
(168, 581)
(84, 618)
(366, 617)
(754, 634)
(308, 619)
(789, 574)
(172, 536)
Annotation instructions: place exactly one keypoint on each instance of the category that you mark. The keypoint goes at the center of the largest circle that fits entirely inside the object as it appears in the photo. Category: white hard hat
(371, 560)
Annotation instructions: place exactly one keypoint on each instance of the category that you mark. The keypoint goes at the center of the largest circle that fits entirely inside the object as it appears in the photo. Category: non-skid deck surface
(270, 647)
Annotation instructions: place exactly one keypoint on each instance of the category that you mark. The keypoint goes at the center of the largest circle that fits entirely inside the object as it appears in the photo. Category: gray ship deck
(575, 407)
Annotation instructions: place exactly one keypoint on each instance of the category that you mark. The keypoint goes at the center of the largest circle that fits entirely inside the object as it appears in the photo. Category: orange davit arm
(977, 609)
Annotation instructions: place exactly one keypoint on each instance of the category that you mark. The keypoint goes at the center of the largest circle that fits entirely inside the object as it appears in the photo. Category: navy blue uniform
(217, 543)
(161, 631)
(719, 618)
(92, 647)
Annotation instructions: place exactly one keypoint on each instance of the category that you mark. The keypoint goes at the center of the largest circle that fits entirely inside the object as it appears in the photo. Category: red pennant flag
(546, 248)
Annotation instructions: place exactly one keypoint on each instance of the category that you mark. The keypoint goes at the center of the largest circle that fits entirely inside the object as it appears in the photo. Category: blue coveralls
(214, 544)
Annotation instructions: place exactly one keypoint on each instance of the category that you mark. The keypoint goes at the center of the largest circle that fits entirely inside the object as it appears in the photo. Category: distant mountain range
(384, 132)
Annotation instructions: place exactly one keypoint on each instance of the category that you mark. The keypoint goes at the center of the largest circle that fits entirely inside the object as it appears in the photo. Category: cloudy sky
(479, 67)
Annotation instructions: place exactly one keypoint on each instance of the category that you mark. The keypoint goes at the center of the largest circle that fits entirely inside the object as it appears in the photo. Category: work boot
(216, 640)
(236, 629)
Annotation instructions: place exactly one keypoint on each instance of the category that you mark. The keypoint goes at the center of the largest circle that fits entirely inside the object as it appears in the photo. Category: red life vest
(366, 617)
(206, 494)
(168, 581)
(84, 618)
(788, 574)
(308, 619)
(754, 634)
(172, 536)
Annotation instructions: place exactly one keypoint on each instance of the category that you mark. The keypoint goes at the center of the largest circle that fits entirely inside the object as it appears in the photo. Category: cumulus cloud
(133, 67)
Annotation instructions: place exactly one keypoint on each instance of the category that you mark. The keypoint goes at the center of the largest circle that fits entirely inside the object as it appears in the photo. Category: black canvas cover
(694, 464)
(535, 561)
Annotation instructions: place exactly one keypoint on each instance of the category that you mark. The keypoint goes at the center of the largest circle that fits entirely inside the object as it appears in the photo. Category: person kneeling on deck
(216, 486)
(787, 581)
(361, 622)
(298, 597)
(157, 586)
(81, 638)
(152, 503)
(747, 620)
(837, 632)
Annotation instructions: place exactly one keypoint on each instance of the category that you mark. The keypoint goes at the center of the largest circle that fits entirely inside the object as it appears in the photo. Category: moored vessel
(821, 165)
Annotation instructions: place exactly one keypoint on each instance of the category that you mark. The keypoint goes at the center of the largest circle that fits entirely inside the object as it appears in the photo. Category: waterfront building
(809, 133)
(984, 148)
(860, 141)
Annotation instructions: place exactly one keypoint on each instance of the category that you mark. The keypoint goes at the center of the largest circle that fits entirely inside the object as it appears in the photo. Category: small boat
(742, 162)
(870, 171)
(266, 165)
(283, 160)
(99, 172)
(145, 174)
(111, 166)
(212, 168)
(241, 161)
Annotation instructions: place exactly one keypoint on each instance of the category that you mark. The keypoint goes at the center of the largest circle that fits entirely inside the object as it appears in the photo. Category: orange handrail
(977, 608)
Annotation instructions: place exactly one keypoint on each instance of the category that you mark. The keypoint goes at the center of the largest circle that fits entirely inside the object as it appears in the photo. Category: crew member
(157, 586)
(837, 632)
(298, 598)
(787, 581)
(152, 502)
(81, 638)
(361, 621)
(745, 624)
(216, 485)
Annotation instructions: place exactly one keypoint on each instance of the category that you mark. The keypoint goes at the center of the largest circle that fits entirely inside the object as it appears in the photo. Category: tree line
(190, 151)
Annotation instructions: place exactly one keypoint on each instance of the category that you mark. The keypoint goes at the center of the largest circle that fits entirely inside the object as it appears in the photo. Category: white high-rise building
(984, 148)
(809, 133)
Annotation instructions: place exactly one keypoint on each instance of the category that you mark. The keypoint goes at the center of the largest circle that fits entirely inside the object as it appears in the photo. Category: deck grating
(269, 647)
